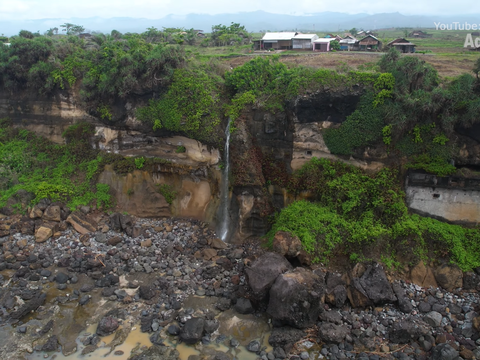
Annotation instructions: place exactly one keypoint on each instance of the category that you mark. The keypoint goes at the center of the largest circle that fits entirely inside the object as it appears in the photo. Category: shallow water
(243, 328)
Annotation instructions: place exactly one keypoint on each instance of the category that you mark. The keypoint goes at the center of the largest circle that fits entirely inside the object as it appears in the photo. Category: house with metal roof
(402, 45)
(349, 43)
(304, 41)
(277, 41)
(323, 44)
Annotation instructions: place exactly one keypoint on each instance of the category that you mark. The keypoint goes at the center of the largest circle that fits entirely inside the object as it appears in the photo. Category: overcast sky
(155, 9)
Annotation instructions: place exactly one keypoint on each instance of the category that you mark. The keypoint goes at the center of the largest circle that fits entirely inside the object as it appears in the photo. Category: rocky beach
(92, 285)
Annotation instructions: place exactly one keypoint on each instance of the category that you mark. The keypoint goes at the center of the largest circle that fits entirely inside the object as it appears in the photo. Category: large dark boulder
(263, 272)
(444, 352)
(404, 331)
(192, 331)
(244, 306)
(295, 298)
(375, 283)
(147, 292)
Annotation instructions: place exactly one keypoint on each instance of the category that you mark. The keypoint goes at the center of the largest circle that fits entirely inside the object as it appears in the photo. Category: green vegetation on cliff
(59, 172)
(416, 119)
(355, 214)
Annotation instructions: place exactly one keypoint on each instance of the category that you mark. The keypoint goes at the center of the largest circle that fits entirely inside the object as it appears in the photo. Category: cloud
(155, 9)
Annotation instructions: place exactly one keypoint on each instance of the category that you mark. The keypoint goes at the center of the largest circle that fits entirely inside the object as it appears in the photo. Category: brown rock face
(82, 223)
(423, 276)
(52, 213)
(44, 232)
(449, 277)
(286, 244)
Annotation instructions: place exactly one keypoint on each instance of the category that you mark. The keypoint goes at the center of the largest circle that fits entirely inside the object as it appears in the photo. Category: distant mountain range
(256, 21)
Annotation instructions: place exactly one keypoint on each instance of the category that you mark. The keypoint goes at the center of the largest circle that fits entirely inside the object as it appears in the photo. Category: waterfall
(224, 210)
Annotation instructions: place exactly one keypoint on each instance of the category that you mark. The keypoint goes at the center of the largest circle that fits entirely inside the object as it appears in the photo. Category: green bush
(168, 192)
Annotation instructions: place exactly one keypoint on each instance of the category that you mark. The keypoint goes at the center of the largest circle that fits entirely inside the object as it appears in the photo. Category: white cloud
(154, 9)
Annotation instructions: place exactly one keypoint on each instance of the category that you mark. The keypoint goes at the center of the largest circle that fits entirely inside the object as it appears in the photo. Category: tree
(72, 29)
(335, 45)
(25, 34)
(476, 68)
(52, 31)
(353, 31)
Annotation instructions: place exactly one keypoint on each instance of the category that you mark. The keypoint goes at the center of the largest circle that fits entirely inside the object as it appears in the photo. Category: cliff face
(263, 147)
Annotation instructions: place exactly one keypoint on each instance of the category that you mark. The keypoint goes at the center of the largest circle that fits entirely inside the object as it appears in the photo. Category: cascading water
(224, 210)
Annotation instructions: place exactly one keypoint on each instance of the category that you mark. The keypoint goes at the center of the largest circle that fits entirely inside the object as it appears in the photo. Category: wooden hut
(369, 43)
(402, 45)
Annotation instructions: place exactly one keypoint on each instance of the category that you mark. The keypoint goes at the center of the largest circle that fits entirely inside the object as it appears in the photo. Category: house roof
(324, 40)
(348, 41)
(279, 36)
(399, 42)
(305, 36)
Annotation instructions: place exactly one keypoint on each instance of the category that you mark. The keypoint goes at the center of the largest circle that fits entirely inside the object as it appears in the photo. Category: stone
(404, 331)
(61, 278)
(423, 276)
(286, 244)
(285, 337)
(263, 272)
(449, 276)
(433, 318)
(444, 352)
(376, 285)
(331, 333)
(218, 244)
(208, 254)
(44, 232)
(147, 292)
(146, 243)
(243, 306)
(82, 223)
(356, 294)
(51, 344)
(107, 326)
(114, 240)
(173, 329)
(52, 213)
(192, 331)
(404, 302)
(295, 298)
(35, 213)
(254, 346)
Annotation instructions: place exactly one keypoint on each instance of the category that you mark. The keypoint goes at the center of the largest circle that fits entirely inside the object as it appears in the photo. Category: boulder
(449, 277)
(45, 232)
(444, 352)
(208, 253)
(107, 325)
(147, 292)
(243, 306)
(52, 213)
(263, 272)
(403, 331)
(330, 333)
(423, 275)
(82, 223)
(51, 344)
(286, 244)
(218, 244)
(376, 285)
(357, 295)
(433, 318)
(295, 298)
(35, 213)
(285, 337)
(404, 302)
(192, 331)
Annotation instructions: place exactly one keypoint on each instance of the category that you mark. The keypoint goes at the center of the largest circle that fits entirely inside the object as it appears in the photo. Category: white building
(304, 41)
